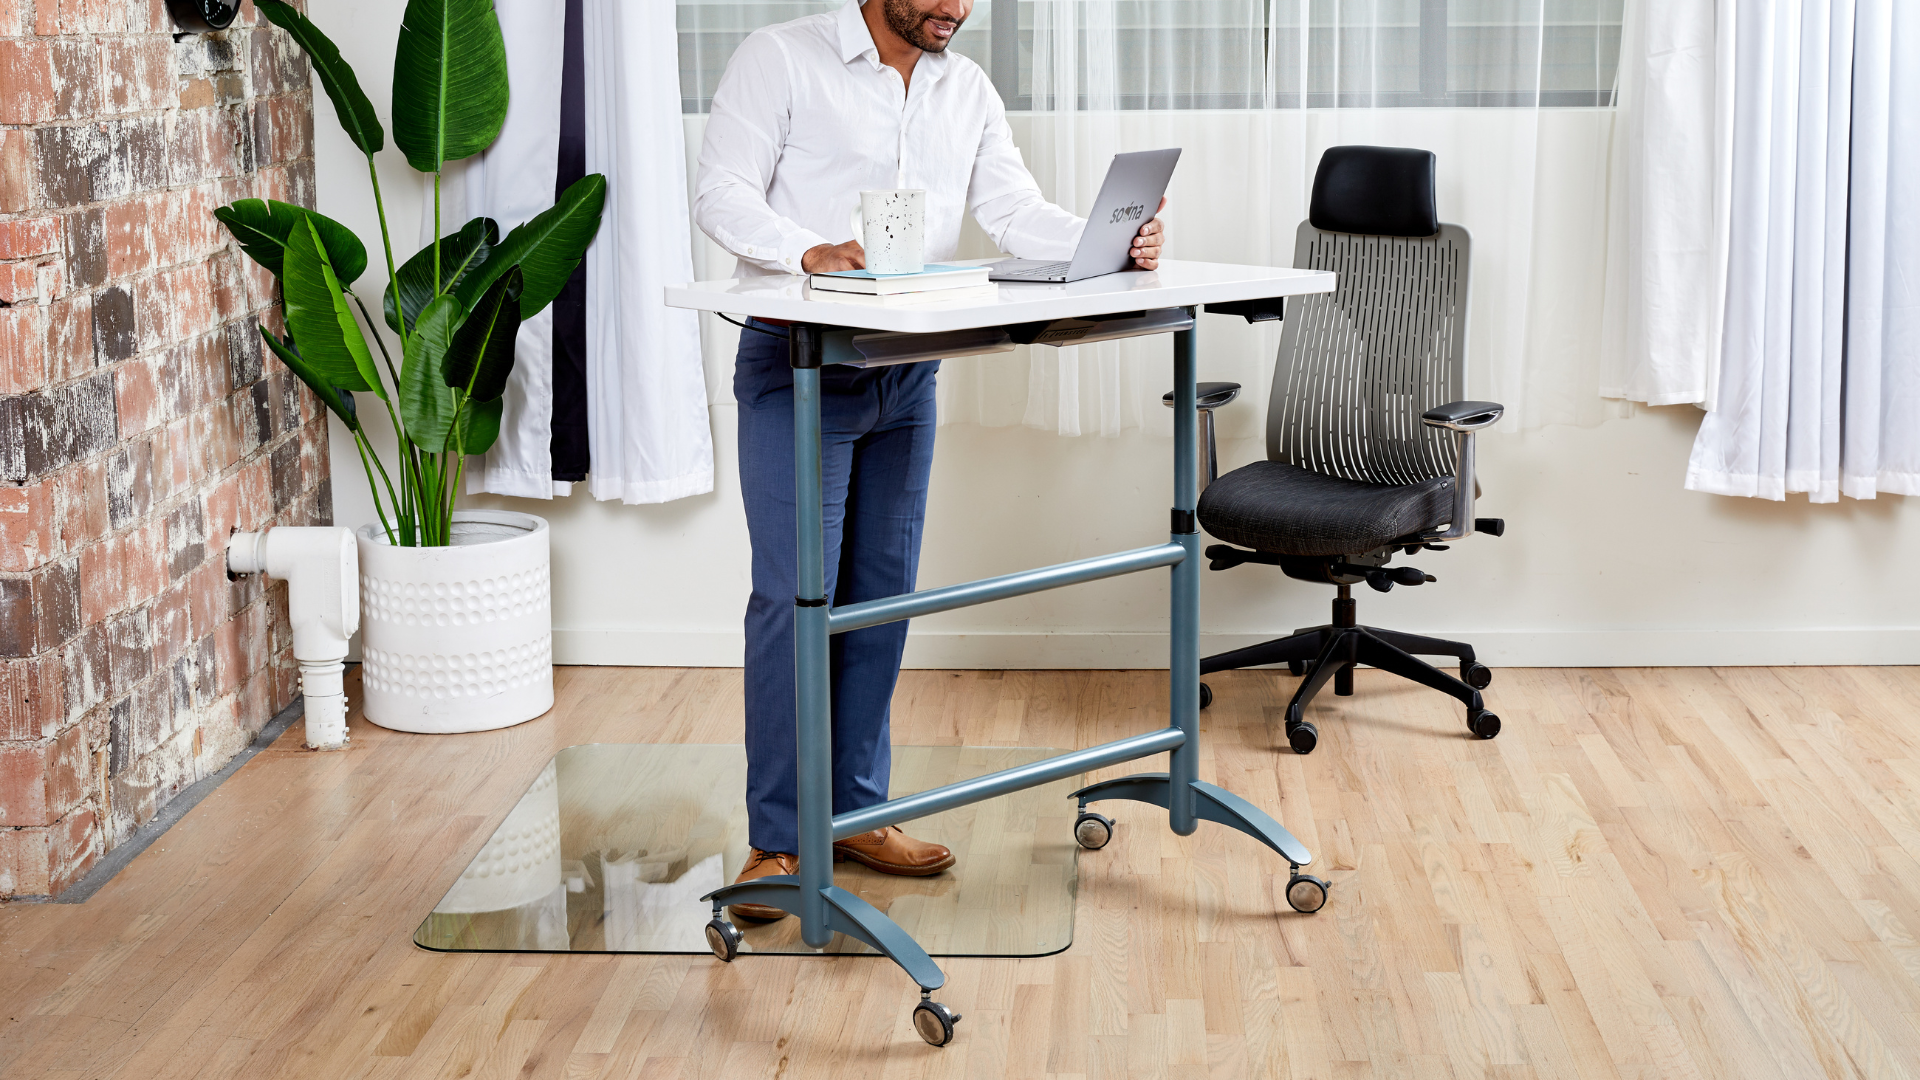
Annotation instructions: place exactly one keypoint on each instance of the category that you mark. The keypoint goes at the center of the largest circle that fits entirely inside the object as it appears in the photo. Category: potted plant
(457, 626)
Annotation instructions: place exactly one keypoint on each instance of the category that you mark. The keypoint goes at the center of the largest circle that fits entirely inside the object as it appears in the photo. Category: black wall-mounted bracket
(203, 16)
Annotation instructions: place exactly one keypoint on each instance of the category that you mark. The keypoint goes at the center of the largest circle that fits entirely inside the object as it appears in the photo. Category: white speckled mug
(892, 227)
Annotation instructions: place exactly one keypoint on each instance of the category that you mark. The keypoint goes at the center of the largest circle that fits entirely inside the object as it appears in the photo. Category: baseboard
(1090, 650)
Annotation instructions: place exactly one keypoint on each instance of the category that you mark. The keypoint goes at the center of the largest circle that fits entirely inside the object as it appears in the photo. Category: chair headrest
(1377, 190)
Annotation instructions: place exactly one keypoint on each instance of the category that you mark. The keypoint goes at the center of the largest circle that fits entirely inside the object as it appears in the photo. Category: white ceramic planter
(458, 638)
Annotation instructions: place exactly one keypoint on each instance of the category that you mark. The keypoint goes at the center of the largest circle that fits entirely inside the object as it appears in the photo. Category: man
(809, 114)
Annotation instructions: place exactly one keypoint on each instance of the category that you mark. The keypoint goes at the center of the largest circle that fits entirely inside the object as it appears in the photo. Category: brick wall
(140, 420)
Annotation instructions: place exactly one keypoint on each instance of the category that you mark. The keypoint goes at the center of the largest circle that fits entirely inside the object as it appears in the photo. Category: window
(1239, 54)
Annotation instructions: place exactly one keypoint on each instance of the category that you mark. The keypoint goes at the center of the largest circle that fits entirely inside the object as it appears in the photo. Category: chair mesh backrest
(1358, 366)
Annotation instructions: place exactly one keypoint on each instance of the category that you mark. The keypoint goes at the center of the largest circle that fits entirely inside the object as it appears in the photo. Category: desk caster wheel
(1092, 830)
(1483, 723)
(1478, 676)
(724, 939)
(1296, 668)
(1306, 893)
(1206, 695)
(934, 1022)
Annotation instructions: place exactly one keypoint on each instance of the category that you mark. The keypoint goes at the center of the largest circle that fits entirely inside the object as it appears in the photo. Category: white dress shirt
(806, 117)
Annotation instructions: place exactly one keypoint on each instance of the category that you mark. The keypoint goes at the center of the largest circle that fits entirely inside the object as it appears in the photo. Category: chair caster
(1483, 723)
(1306, 893)
(724, 939)
(1301, 735)
(1092, 831)
(934, 1022)
(1206, 695)
(1296, 667)
(1478, 676)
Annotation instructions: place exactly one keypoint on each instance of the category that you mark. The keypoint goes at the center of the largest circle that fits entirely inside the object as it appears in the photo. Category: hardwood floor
(1650, 873)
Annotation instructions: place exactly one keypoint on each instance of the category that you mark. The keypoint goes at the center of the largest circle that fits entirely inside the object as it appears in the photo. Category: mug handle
(858, 225)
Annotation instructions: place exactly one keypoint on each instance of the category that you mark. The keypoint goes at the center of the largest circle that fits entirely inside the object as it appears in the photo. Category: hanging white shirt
(648, 429)
(806, 117)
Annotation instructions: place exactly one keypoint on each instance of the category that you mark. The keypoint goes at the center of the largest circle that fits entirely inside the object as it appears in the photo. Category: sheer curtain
(1514, 96)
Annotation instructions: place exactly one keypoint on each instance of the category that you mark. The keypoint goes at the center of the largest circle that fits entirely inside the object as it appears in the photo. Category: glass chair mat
(613, 845)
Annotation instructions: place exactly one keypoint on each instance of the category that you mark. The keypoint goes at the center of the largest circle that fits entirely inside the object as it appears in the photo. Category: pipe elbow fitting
(321, 566)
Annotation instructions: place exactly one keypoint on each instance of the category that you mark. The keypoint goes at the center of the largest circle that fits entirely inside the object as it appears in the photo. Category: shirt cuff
(796, 245)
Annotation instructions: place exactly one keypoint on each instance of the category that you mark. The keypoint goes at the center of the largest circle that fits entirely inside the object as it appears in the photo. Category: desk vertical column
(1183, 659)
(813, 703)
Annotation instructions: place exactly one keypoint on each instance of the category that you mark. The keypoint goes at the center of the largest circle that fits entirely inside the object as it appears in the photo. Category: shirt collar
(856, 40)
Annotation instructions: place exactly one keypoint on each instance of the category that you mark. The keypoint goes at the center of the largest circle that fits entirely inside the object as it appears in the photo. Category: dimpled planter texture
(458, 638)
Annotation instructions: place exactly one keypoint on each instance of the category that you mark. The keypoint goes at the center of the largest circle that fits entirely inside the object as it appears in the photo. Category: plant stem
(360, 445)
(437, 284)
(393, 274)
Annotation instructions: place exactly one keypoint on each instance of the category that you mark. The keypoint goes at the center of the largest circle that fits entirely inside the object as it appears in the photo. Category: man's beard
(911, 23)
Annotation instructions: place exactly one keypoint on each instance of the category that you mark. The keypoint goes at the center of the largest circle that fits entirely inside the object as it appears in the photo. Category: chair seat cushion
(1287, 510)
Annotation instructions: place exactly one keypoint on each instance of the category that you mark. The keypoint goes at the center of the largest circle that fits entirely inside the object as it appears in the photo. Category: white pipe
(322, 570)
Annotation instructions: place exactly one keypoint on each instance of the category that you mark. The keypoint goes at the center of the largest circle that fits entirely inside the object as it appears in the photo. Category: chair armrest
(1463, 415)
(1211, 395)
(1208, 396)
(1463, 418)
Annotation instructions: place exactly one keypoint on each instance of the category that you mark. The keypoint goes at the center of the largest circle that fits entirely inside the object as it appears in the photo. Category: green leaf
(333, 397)
(319, 318)
(480, 357)
(449, 81)
(545, 249)
(479, 426)
(262, 229)
(426, 401)
(336, 76)
(460, 254)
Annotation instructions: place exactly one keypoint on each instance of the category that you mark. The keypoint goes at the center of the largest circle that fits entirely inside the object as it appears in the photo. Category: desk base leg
(846, 914)
(1217, 804)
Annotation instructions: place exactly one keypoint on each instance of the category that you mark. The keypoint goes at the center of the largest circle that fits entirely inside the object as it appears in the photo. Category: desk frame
(825, 909)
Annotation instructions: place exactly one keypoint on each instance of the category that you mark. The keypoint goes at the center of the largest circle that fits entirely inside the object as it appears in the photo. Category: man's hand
(1146, 245)
(826, 258)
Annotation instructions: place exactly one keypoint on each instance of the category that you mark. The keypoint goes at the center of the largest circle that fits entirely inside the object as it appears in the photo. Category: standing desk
(1129, 304)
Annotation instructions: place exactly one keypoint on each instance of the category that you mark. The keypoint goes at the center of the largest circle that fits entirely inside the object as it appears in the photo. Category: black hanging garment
(571, 457)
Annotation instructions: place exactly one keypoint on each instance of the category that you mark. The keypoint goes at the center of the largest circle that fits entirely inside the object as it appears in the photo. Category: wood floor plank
(1708, 873)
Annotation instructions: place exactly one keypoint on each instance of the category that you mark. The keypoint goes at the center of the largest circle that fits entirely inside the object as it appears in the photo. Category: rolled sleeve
(1008, 204)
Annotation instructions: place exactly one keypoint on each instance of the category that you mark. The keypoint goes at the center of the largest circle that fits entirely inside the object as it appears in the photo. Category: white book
(973, 294)
(935, 277)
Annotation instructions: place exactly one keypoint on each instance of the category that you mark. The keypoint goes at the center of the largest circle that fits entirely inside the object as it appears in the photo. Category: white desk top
(1174, 284)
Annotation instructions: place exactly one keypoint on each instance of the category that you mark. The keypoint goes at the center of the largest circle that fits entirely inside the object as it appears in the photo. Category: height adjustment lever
(1384, 578)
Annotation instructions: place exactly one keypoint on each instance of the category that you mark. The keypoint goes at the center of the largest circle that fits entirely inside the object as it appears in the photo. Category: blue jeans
(875, 457)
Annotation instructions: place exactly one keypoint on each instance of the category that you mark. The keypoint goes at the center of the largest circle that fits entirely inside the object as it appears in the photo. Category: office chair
(1369, 447)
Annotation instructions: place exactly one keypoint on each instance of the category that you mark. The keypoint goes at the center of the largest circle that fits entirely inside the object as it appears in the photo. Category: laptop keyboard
(1049, 270)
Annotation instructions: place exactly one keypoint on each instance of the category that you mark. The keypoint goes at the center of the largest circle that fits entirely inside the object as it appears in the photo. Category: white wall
(1606, 561)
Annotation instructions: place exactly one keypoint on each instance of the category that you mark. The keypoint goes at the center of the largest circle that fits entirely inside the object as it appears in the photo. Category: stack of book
(939, 283)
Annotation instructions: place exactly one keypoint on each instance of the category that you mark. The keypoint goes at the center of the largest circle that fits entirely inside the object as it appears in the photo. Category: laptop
(1128, 197)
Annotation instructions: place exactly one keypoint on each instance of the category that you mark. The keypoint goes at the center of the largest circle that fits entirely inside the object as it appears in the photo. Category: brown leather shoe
(891, 851)
(763, 864)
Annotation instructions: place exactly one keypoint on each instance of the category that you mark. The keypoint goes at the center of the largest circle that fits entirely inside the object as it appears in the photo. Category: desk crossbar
(1020, 777)
(912, 605)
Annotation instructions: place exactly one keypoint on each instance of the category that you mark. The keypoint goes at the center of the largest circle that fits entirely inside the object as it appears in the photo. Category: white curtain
(1667, 205)
(1253, 91)
(1819, 363)
(648, 431)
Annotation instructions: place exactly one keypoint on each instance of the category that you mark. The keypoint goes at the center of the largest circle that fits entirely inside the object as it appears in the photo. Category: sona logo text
(1129, 213)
